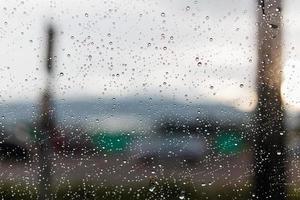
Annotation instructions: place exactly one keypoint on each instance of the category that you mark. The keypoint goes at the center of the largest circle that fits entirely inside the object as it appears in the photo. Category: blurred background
(144, 100)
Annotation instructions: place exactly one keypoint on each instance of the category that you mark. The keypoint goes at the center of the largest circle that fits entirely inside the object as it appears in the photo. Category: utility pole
(46, 126)
(270, 134)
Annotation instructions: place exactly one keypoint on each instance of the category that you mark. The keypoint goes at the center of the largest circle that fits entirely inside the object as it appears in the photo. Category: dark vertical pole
(47, 126)
(270, 133)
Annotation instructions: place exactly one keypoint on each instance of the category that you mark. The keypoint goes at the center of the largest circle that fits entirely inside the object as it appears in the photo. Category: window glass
(158, 99)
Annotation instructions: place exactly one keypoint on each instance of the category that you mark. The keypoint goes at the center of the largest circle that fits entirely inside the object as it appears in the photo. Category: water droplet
(61, 74)
(187, 8)
(86, 14)
(152, 188)
(207, 17)
(241, 85)
(163, 14)
(182, 195)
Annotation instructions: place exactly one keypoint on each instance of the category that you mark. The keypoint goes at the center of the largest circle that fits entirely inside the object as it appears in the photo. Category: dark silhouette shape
(13, 152)
(269, 135)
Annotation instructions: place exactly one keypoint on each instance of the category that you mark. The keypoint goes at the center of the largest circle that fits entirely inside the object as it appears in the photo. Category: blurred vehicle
(21, 139)
(14, 144)
(116, 133)
(111, 142)
(72, 140)
(186, 148)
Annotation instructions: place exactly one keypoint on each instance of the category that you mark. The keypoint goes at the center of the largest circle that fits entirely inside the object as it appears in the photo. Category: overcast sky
(198, 50)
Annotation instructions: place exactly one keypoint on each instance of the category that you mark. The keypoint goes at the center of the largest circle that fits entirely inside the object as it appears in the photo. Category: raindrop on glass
(182, 195)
